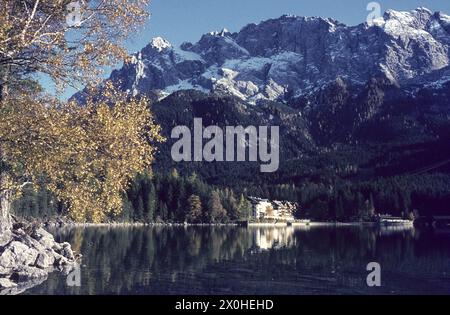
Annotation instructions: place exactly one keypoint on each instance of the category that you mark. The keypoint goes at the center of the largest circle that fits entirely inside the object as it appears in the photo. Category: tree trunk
(5, 208)
(5, 195)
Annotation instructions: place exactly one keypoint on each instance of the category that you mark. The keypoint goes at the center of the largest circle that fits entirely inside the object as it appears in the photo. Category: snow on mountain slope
(291, 56)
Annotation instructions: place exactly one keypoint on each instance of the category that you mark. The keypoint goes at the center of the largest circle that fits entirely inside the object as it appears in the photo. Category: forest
(172, 197)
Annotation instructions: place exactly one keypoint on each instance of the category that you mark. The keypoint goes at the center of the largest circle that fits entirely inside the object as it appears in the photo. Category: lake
(235, 260)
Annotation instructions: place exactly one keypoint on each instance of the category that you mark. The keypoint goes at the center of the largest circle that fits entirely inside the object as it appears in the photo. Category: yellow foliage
(86, 155)
(35, 36)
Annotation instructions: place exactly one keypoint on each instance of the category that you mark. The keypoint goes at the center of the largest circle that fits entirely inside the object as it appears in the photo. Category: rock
(28, 255)
(22, 286)
(45, 260)
(7, 259)
(31, 242)
(61, 261)
(44, 238)
(21, 253)
(5, 238)
(17, 247)
(5, 271)
(26, 273)
(6, 283)
(57, 247)
(67, 251)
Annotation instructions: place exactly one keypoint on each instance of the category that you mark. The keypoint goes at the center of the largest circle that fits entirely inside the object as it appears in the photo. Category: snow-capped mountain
(293, 56)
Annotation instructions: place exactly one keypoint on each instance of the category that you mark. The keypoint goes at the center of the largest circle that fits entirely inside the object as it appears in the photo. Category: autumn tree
(195, 209)
(217, 212)
(85, 155)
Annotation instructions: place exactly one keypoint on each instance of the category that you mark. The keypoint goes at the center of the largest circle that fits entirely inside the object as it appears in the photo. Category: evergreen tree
(163, 211)
(139, 211)
(230, 204)
(245, 208)
(151, 203)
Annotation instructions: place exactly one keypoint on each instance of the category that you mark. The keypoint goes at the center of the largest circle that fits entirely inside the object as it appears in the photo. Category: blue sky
(187, 20)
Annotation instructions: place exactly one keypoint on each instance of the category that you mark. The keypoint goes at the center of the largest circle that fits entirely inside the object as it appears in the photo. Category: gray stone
(44, 238)
(67, 251)
(17, 247)
(5, 238)
(4, 271)
(57, 247)
(32, 243)
(26, 273)
(23, 254)
(45, 260)
(6, 283)
(61, 261)
(41, 233)
(27, 259)
(7, 259)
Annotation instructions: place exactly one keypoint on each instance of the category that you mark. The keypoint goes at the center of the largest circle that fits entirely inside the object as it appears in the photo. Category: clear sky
(187, 20)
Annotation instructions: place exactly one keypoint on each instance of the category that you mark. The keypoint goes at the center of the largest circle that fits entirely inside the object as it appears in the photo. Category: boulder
(26, 273)
(67, 251)
(45, 260)
(57, 247)
(44, 238)
(5, 238)
(60, 260)
(7, 259)
(4, 271)
(27, 257)
(32, 243)
(6, 283)
(23, 254)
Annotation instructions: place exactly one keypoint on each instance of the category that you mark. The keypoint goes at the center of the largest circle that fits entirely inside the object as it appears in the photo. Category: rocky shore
(28, 254)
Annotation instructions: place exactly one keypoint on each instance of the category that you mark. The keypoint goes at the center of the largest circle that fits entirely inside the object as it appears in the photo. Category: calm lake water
(232, 260)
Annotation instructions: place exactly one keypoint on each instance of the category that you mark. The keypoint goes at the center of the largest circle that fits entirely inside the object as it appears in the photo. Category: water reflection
(230, 260)
(23, 287)
(273, 238)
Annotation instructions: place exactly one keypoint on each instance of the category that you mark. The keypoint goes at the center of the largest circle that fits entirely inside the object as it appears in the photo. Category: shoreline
(135, 224)
(250, 225)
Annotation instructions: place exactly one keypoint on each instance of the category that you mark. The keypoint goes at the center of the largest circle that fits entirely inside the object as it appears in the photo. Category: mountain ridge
(292, 56)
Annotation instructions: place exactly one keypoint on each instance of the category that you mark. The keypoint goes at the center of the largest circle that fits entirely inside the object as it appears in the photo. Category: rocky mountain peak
(160, 44)
(224, 32)
(294, 56)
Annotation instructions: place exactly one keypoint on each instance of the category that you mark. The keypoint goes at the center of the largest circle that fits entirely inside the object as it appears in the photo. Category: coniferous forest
(171, 197)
